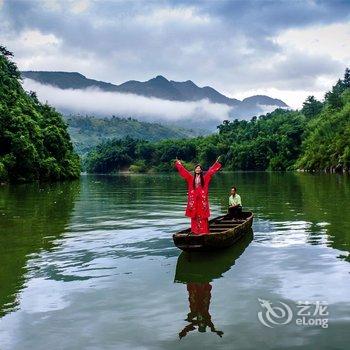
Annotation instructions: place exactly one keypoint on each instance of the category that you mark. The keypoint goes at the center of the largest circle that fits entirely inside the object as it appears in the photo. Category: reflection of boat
(224, 232)
(204, 267)
(197, 270)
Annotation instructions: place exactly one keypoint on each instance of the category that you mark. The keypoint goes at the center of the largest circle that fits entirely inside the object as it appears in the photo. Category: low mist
(100, 103)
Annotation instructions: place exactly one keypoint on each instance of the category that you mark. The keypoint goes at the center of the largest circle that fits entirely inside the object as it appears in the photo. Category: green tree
(311, 107)
(34, 141)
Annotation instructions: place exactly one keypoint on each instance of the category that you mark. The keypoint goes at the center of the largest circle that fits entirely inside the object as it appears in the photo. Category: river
(90, 264)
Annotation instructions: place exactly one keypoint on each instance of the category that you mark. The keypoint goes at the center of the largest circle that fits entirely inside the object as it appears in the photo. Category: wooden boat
(224, 232)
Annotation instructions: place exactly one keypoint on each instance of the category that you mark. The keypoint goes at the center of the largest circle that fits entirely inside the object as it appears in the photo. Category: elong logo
(274, 315)
(308, 313)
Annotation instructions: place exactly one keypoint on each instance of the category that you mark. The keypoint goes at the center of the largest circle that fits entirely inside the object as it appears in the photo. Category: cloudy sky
(284, 49)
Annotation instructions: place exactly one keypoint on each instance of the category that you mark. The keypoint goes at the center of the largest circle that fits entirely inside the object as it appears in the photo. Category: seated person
(235, 204)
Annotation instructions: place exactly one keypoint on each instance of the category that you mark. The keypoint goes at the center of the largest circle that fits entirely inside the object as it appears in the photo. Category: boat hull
(223, 233)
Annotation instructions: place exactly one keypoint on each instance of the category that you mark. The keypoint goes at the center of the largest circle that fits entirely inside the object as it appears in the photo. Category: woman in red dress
(198, 202)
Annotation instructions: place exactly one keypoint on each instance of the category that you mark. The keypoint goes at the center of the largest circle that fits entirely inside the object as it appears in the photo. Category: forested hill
(34, 141)
(316, 138)
(326, 144)
(88, 131)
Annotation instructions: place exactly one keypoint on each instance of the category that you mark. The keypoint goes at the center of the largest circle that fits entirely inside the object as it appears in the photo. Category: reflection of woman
(198, 202)
(199, 316)
(198, 271)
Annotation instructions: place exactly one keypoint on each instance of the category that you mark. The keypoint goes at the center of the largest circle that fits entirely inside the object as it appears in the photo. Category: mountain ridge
(158, 87)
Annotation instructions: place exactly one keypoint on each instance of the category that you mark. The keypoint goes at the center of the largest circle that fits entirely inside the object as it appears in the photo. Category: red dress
(198, 201)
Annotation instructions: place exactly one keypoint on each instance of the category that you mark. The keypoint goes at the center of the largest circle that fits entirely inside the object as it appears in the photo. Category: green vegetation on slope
(327, 137)
(269, 142)
(34, 142)
(315, 138)
(88, 131)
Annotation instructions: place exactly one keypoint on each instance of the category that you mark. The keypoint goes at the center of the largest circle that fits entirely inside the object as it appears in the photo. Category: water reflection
(32, 216)
(199, 297)
(76, 257)
(198, 270)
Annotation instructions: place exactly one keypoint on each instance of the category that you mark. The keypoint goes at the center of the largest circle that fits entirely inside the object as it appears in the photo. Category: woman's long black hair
(201, 175)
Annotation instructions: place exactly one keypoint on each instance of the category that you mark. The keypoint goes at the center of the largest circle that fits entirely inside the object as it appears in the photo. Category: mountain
(192, 92)
(67, 80)
(158, 87)
(264, 100)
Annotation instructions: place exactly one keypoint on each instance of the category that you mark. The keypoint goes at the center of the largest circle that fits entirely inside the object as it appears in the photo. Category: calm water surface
(91, 265)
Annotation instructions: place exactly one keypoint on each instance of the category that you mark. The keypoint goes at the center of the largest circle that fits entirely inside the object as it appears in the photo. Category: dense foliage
(269, 142)
(327, 137)
(315, 138)
(89, 131)
(34, 141)
(139, 155)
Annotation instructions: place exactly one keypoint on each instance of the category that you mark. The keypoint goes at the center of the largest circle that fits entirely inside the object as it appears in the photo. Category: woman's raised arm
(182, 170)
(213, 169)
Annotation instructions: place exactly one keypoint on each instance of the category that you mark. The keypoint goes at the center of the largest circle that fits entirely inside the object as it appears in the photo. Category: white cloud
(294, 98)
(80, 6)
(331, 40)
(235, 48)
(268, 108)
(168, 15)
(31, 45)
(93, 100)
(52, 5)
(75, 6)
(35, 39)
